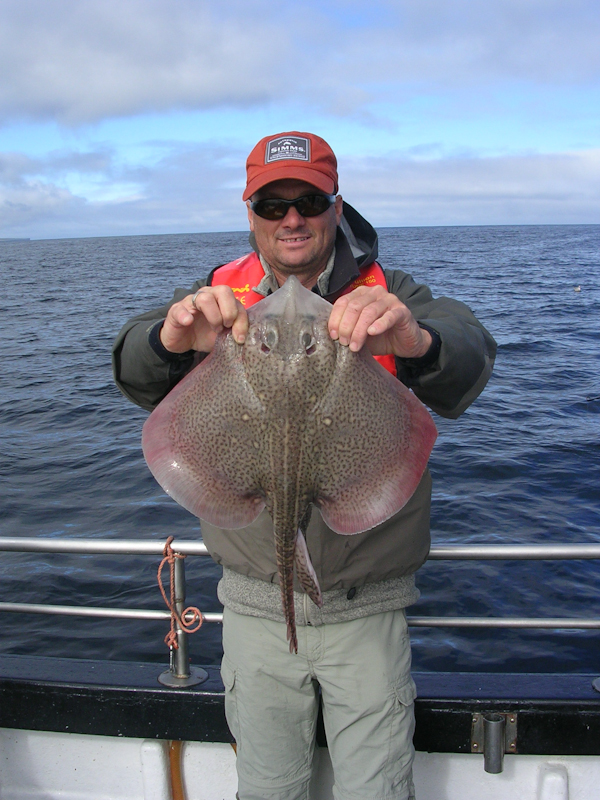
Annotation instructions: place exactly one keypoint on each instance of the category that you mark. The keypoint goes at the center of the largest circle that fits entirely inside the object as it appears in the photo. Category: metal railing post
(180, 673)
(181, 657)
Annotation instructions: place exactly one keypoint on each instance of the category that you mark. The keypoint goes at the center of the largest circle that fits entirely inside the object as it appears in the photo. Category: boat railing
(180, 673)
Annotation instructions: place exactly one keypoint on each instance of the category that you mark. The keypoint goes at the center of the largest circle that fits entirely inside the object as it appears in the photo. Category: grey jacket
(372, 571)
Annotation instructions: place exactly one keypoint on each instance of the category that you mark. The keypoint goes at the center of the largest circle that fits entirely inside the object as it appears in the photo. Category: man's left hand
(370, 315)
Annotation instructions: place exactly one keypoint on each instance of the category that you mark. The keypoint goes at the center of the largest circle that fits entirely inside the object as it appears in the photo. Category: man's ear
(339, 209)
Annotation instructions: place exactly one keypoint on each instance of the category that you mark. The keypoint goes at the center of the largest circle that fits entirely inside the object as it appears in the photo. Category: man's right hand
(195, 325)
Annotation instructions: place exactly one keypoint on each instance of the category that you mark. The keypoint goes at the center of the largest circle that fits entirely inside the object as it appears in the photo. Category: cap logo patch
(288, 147)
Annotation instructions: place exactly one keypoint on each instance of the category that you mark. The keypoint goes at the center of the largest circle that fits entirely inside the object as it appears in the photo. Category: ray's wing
(374, 438)
(201, 441)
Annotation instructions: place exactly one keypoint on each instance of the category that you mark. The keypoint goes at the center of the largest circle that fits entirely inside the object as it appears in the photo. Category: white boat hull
(40, 765)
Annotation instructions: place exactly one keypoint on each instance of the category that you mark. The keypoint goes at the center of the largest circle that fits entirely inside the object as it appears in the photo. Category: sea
(521, 465)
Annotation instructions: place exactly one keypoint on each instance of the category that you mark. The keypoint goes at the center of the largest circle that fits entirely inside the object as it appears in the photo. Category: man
(355, 650)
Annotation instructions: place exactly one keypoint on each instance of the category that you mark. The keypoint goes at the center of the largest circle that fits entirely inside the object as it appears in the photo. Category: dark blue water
(522, 465)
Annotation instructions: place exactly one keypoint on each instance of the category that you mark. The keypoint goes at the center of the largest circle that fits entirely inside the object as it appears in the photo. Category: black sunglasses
(310, 205)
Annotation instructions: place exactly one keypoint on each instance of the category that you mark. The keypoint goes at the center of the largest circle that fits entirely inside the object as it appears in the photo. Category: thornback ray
(289, 420)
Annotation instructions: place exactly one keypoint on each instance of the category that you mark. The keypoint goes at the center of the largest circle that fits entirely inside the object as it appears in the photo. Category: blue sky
(136, 116)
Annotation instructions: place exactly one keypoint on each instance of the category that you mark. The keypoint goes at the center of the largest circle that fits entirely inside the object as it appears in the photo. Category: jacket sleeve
(466, 356)
(141, 374)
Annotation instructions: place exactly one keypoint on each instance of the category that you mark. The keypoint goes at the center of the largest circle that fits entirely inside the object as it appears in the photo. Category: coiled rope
(169, 555)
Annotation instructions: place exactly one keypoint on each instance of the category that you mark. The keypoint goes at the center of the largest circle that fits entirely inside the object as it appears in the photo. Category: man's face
(295, 245)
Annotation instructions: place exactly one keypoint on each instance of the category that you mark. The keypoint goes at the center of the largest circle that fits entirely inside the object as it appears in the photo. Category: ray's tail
(284, 548)
(286, 559)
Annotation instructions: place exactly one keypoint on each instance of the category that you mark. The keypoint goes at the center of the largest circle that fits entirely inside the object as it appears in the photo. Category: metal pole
(197, 548)
(493, 742)
(180, 673)
(38, 544)
(503, 622)
(181, 661)
(514, 552)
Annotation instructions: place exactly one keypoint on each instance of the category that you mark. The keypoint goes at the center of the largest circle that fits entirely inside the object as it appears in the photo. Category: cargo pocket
(402, 751)
(228, 676)
(406, 693)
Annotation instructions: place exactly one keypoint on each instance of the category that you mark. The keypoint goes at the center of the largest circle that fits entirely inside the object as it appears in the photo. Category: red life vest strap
(241, 275)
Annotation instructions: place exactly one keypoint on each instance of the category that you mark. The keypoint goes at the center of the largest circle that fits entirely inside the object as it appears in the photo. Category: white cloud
(83, 61)
(557, 188)
(197, 188)
(190, 189)
(79, 62)
(445, 43)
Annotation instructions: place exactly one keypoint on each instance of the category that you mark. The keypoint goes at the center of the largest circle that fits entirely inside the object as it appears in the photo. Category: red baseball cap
(303, 156)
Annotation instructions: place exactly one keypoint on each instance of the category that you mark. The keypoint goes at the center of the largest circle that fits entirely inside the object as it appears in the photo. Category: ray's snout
(286, 304)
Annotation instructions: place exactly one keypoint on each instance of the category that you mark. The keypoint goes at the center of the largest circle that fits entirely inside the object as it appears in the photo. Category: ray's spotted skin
(289, 420)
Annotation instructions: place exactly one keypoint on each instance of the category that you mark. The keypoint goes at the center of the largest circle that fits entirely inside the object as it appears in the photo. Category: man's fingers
(344, 314)
(386, 321)
(375, 314)
(372, 316)
(222, 310)
(194, 322)
(354, 315)
(180, 315)
(218, 307)
(239, 329)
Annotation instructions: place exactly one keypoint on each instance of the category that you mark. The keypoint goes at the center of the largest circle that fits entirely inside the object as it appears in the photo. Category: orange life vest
(247, 272)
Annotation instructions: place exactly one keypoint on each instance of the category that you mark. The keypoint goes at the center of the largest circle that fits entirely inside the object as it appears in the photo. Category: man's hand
(195, 325)
(373, 316)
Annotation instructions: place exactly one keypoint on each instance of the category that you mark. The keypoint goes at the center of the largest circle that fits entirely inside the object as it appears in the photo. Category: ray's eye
(269, 341)
(308, 343)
